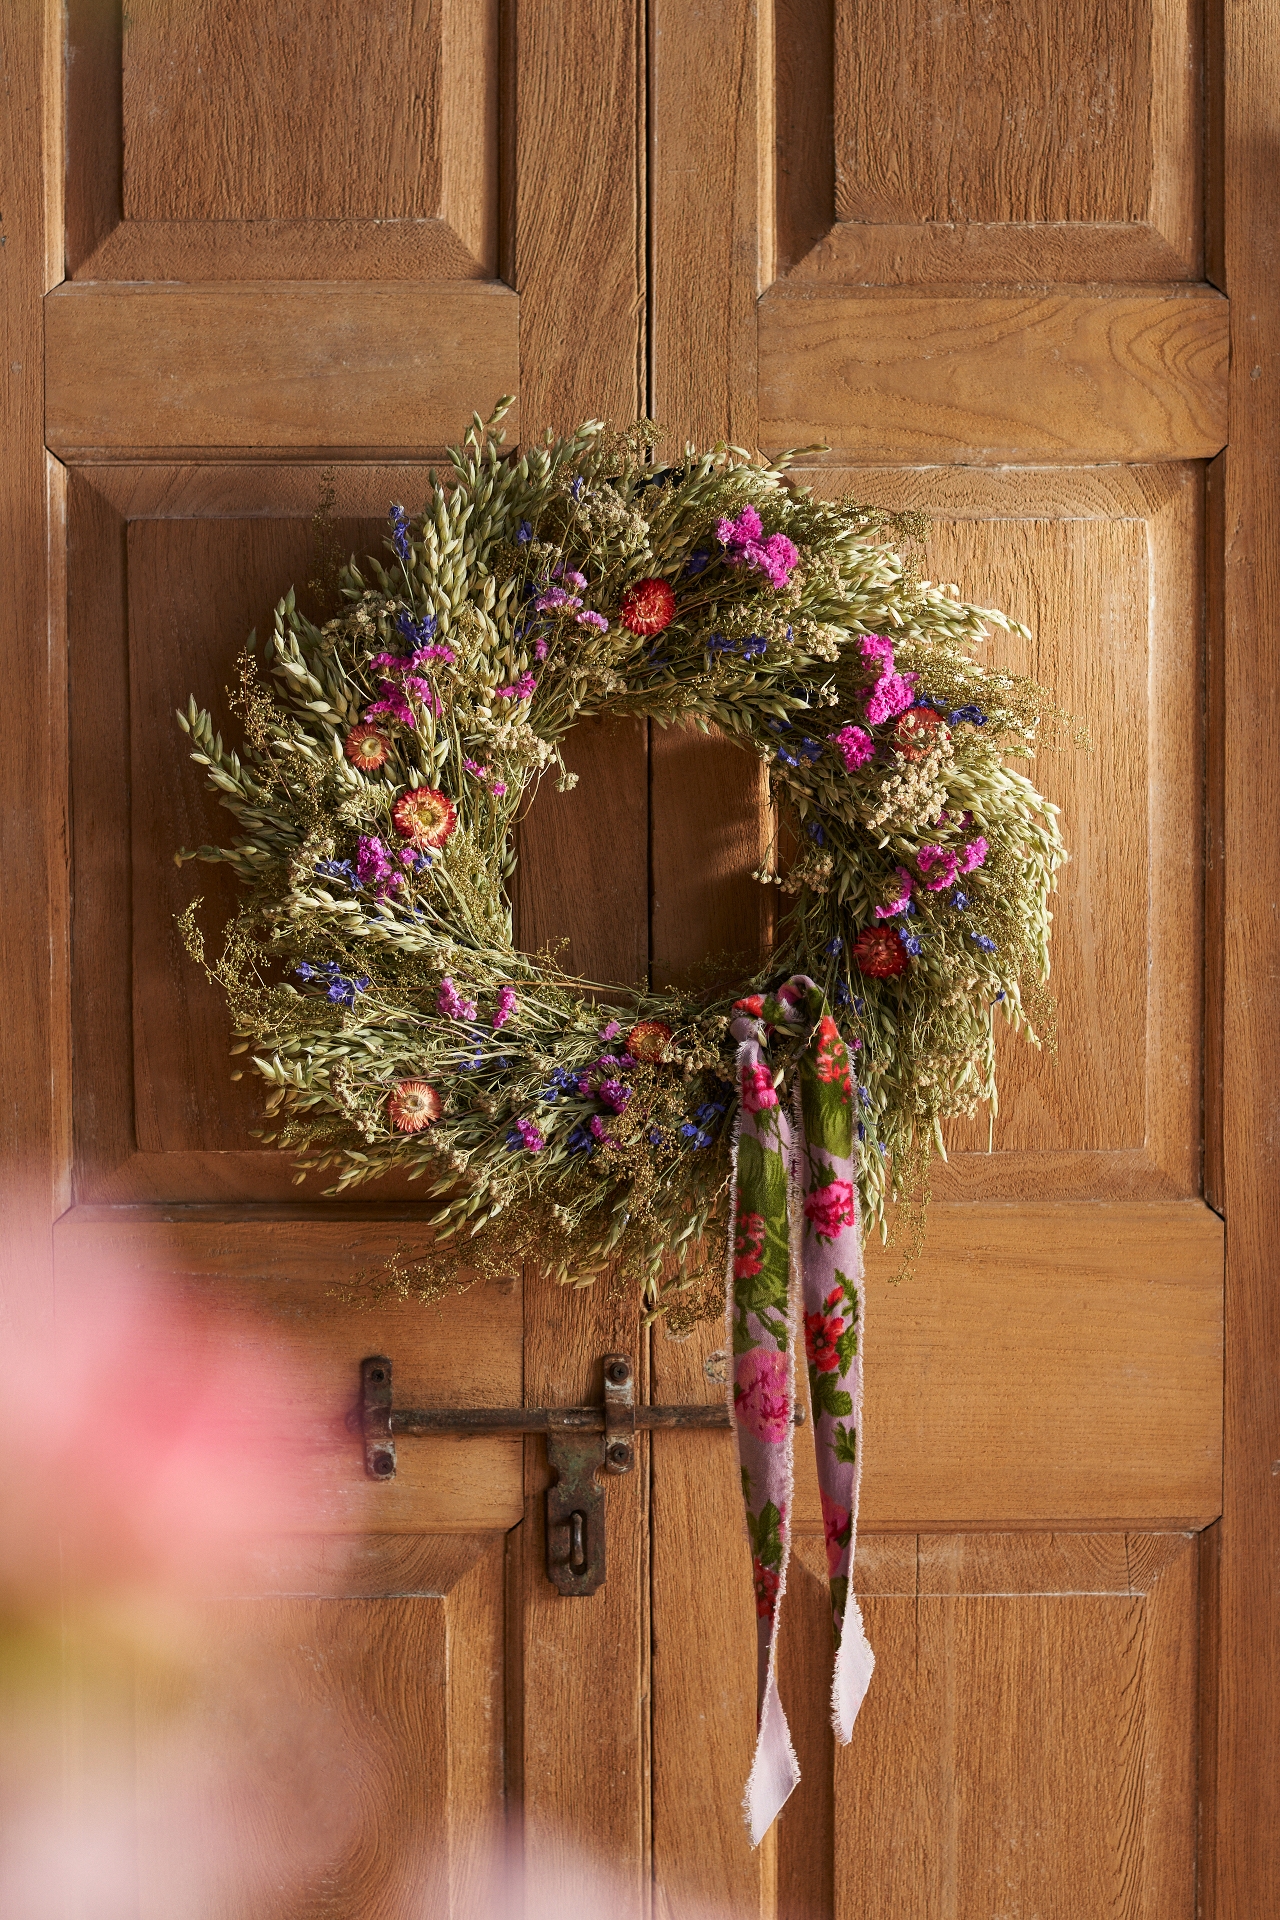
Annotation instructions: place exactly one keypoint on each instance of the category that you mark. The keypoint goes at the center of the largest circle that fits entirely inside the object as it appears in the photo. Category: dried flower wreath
(371, 971)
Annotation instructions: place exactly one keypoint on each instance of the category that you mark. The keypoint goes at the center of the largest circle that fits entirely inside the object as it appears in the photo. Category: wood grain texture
(289, 365)
(1007, 254)
(1043, 1364)
(710, 808)
(576, 210)
(1049, 1362)
(1054, 376)
(582, 1769)
(269, 250)
(285, 1275)
(309, 1708)
(351, 113)
(582, 885)
(1030, 1729)
(33, 815)
(1248, 1793)
(704, 1658)
(1215, 728)
(711, 103)
(804, 128)
(970, 115)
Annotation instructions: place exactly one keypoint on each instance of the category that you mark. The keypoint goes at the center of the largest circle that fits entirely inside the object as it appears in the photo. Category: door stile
(32, 803)
(1247, 1817)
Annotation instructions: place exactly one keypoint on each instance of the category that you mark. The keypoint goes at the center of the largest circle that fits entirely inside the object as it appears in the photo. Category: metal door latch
(581, 1443)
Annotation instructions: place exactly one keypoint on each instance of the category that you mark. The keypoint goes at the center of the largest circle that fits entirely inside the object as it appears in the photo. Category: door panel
(1034, 1702)
(284, 145)
(316, 1692)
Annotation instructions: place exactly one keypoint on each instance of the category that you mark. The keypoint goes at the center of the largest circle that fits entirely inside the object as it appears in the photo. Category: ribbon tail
(855, 1664)
(775, 1771)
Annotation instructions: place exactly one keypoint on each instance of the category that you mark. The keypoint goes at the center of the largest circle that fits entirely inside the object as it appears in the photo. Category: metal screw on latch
(619, 1372)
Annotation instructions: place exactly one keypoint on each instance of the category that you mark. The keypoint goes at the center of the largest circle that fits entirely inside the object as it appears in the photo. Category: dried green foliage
(361, 961)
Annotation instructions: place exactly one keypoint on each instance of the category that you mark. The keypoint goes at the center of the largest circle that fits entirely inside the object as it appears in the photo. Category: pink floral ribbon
(796, 1244)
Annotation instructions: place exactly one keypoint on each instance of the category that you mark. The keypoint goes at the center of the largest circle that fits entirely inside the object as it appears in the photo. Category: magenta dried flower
(451, 1003)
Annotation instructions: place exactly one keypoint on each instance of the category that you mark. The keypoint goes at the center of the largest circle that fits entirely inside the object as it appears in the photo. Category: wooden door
(967, 250)
(981, 255)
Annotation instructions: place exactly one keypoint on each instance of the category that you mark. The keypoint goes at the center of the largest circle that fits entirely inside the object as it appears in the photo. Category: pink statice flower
(506, 1007)
(893, 692)
(598, 1130)
(590, 619)
(974, 855)
(890, 696)
(392, 703)
(479, 771)
(525, 1134)
(521, 689)
(611, 1031)
(775, 557)
(555, 599)
(854, 745)
(374, 866)
(614, 1095)
(941, 863)
(451, 1004)
(401, 681)
(902, 900)
(760, 1394)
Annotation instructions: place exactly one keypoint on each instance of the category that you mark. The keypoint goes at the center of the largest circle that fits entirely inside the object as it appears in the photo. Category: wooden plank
(1058, 375)
(302, 364)
(922, 130)
(709, 800)
(1043, 1364)
(711, 100)
(582, 1708)
(575, 220)
(578, 1722)
(1028, 1742)
(281, 250)
(32, 784)
(1247, 1813)
(284, 1280)
(1054, 1363)
(1215, 735)
(1000, 253)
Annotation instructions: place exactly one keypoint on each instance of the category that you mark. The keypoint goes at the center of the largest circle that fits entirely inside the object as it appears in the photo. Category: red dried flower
(413, 1106)
(879, 952)
(366, 747)
(918, 731)
(648, 1040)
(424, 816)
(648, 607)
